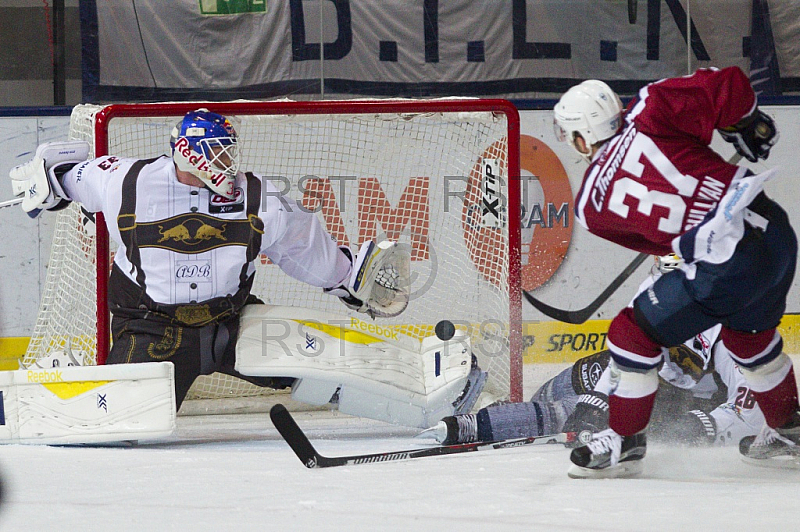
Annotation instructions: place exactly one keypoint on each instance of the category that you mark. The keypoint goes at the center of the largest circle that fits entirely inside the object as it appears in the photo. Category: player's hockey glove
(694, 428)
(691, 362)
(39, 180)
(590, 416)
(752, 136)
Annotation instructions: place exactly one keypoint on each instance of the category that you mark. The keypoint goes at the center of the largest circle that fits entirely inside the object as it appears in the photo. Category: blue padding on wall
(36, 111)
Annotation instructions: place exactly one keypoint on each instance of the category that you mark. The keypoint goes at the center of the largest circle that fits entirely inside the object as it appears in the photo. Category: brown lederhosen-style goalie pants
(193, 350)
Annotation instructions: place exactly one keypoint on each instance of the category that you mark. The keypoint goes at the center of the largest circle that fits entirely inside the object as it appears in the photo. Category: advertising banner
(221, 49)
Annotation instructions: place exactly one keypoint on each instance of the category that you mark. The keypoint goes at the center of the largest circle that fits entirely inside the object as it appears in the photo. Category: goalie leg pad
(87, 404)
(363, 375)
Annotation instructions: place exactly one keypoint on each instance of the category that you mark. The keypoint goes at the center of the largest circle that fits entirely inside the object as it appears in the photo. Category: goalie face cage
(436, 174)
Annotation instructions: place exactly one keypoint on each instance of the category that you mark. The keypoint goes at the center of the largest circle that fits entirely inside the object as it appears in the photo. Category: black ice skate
(774, 447)
(609, 455)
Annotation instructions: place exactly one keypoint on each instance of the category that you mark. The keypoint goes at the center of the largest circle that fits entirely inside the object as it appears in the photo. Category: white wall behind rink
(588, 268)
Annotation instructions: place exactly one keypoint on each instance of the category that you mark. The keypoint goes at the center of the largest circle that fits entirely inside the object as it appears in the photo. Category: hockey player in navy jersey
(654, 185)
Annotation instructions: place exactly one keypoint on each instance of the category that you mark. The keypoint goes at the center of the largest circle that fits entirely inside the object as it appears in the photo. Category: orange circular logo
(545, 213)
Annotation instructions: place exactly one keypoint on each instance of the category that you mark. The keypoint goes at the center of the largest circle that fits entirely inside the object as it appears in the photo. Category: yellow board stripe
(68, 390)
(545, 342)
(12, 350)
(556, 342)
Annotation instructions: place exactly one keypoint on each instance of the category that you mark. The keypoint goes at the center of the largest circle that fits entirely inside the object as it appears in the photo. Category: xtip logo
(490, 216)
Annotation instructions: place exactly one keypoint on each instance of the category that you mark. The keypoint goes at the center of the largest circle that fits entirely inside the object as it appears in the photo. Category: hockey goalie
(195, 211)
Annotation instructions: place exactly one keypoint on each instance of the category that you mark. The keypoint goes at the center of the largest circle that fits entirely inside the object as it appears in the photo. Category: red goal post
(439, 174)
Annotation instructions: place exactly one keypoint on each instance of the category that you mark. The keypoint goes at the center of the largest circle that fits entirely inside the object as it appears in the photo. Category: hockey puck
(445, 330)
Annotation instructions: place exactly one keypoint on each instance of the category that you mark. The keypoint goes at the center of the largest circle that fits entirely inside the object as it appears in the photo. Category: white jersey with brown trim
(193, 242)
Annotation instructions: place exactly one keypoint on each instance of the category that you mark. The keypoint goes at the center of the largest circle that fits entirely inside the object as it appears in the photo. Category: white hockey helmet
(667, 263)
(592, 110)
(205, 144)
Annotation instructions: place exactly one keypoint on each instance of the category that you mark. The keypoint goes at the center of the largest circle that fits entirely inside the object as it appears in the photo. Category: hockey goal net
(430, 173)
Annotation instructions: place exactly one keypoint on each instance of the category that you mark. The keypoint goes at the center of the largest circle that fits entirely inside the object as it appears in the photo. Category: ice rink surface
(234, 472)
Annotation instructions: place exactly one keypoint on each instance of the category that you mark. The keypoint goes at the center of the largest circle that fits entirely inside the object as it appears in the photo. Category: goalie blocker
(38, 181)
(86, 404)
(363, 369)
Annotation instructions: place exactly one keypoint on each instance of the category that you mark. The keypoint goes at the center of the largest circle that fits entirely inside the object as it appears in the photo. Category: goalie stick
(307, 454)
(579, 316)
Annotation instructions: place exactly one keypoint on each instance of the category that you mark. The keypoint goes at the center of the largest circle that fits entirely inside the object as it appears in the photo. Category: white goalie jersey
(194, 243)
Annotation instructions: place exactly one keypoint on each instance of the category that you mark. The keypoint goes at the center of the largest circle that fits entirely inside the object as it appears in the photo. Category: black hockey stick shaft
(580, 316)
(298, 441)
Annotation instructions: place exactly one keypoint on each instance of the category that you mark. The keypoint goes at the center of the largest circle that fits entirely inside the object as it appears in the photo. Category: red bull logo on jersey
(193, 233)
(182, 233)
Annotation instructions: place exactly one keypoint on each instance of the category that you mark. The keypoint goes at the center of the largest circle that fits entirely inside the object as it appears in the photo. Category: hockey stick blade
(580, 316)
(298, 441)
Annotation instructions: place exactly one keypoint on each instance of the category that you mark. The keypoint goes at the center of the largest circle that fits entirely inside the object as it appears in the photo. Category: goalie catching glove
(752, 136)
(380, 279)
(39, 180)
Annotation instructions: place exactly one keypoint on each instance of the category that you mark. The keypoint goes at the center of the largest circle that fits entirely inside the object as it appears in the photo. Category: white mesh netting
(419, 178)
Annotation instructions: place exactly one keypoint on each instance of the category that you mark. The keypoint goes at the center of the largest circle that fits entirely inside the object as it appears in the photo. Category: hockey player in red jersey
(654, 185)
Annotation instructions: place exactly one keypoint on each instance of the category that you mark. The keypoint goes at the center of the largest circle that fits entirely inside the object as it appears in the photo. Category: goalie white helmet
(592, 110)
(205, 144)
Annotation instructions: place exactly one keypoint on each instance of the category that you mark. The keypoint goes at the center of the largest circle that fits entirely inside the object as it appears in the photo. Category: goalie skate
(609, 455)
(774, 447)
